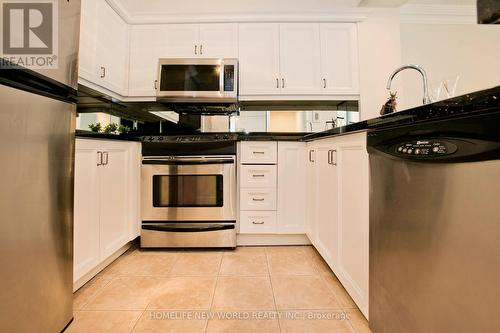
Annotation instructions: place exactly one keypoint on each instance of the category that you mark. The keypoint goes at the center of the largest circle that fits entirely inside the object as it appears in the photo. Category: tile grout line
(272, 288)
(215, 288)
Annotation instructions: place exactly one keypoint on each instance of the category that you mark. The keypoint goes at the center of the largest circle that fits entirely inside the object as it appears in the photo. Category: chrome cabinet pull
(255, 176)
(103, 72)
(156, 84)
(277, 83)
(201, 49)
(282, 83)
(261, 222)
(105, 155)
(99, 158)
(258, 199)
(310, 155)
(258, 152)
(324, 83)
(196, 49)
(329, 157)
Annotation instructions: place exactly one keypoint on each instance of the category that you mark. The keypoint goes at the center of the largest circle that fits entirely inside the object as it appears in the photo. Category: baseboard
(271, 239)
(87, 277)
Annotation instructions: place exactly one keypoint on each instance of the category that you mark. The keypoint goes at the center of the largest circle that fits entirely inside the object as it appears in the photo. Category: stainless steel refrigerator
(37, 135)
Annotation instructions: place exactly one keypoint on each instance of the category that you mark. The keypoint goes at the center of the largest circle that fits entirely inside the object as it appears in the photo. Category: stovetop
(190, 138)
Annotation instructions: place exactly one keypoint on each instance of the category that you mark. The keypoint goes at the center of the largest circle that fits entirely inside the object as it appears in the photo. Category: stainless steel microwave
(197, 81)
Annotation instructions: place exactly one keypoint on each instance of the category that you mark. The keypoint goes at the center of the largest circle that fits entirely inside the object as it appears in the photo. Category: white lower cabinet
(106, 215)
(272, 196)
(337, 209)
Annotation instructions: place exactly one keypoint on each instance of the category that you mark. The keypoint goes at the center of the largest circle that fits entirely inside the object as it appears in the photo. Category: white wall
(379, 54)
(469, 51)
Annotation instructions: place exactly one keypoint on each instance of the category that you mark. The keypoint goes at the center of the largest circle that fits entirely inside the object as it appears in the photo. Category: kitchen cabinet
(259, 58)
(339, 58)
(300, 58)
(292, 159)
(104, 47)
(148, 43)
(106, 200)
(337, 209)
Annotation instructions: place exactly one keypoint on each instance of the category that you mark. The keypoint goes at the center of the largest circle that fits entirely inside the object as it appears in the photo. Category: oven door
(188, 189)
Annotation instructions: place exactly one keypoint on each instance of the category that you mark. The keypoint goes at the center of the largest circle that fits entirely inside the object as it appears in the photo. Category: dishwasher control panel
(425, 148)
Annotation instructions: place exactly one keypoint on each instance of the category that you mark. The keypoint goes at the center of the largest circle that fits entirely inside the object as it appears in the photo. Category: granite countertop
(105, 136)
(482, 101)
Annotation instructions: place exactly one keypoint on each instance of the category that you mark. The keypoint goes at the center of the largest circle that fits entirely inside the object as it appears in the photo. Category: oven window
(190, 78)
(188, 191)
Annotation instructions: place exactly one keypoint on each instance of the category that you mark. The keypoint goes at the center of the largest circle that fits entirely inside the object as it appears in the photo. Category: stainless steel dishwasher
(435, 226)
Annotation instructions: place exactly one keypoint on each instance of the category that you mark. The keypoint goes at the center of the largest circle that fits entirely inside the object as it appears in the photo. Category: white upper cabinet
(147, 45)
(339, 58)
(104, 47)
(300, 58)
(218, 40)
(258, 45)
(181, 41)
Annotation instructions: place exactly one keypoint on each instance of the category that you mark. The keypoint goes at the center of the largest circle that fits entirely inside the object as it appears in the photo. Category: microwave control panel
(229, 78)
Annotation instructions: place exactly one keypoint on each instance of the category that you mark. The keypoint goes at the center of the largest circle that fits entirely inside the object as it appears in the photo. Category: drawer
(258, 222)
(258, 176)
(259, 152)
(258, 199)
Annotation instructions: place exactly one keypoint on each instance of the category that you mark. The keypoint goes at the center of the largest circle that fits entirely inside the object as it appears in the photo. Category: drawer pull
(258, 199)
(261, 222)
(259, 152)
(255, 176)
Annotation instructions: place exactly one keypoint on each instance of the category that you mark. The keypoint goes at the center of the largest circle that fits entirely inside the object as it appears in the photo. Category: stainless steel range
(189, 191)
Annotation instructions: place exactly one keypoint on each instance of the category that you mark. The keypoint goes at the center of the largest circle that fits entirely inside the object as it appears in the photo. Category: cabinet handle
(310, 155)
(99, 158)
(196, 49)
(258, 199)
(261, 222)
(103, 72)
(330, 157)
(105, 155)
(156, 84)
(277, 83)
(258, 152)
(282, 83)
(201, 49)
(255, 176)
(324, 83)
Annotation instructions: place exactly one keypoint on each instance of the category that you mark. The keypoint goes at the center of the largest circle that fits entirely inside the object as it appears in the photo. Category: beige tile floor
(251, 289)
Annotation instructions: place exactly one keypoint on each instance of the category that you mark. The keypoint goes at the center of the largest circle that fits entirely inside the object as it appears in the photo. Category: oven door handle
(170, 228)
(180, 162)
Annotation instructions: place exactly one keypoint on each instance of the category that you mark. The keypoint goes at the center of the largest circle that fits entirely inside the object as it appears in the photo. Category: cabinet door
(218, 40)
(353, 263)
(326, 204)
(86, 254)
(114, 206)
(311, 193)
(339, 58)
(258, 55)
(88, 67)
(147, 45)
(291, 187)
(300, 58)
(182, 40)
(112, 49)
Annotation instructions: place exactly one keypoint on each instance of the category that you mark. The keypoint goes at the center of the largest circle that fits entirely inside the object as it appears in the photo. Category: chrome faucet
(419, 69)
